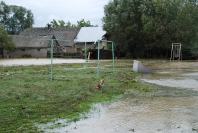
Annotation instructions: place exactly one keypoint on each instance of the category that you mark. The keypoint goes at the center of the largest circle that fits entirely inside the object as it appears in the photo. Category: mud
(172, 108)
(140, 115)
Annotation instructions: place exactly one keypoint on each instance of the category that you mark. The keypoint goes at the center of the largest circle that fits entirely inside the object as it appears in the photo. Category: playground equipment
(176, 52)
(99, 45)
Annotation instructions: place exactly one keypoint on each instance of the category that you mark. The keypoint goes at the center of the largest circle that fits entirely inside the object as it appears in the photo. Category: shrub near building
(5, 42)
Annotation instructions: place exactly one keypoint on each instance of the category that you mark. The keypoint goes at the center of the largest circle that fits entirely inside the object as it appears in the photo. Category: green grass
(27, 96)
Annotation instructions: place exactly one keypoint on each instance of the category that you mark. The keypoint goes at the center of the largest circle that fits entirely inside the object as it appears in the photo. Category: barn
(35, 42)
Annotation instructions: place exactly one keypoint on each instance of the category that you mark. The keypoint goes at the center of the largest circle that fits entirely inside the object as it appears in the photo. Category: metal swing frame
(176, 52)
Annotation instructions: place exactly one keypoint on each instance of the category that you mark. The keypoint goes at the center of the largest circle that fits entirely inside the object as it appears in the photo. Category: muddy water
(179, 83)
(172, 109)
(140, 115)
(181, 80)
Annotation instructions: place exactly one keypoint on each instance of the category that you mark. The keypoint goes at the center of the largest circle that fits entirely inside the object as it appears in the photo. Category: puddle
(195, 74)
(185, 79)
(177, 83)
(140, 115)
(192, 75)
(170, 110)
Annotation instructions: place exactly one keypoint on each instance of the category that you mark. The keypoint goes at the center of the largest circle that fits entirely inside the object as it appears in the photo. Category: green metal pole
(51, 72)
(98, 63)
(113, 56)
(85, 54)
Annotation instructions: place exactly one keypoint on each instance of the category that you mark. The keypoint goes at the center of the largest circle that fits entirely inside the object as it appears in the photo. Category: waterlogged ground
(172, 108)
(141, 115)
(185, 81)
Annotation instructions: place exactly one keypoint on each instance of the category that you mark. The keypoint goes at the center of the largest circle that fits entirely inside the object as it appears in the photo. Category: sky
(68, 10)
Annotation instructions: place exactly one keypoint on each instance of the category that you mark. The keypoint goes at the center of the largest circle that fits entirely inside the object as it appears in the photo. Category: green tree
(4, 13)
(15, 18)
(61, 24)
(84, 23)
(123, 22)
(150, 26)
(5, 41)
(54, 23)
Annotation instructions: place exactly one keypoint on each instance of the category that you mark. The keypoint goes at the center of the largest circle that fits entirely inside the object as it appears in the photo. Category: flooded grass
(28, 97)
(30, 102)
(171, 106)
(138, 114)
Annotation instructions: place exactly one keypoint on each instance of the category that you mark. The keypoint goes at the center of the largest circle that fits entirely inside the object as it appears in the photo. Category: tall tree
(4, 13)
(123, 22)
(5, 41)
(139, 25)
(15, 18)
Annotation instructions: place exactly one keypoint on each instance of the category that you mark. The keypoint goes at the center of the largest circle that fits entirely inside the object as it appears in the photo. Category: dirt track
(29, 62)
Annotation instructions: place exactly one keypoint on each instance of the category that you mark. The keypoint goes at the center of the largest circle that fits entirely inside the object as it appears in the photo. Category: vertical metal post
(98, 63)
(113, 57)
(85, 55)
(171, 53)
(51, 55)
(86, 51)
(180, 52)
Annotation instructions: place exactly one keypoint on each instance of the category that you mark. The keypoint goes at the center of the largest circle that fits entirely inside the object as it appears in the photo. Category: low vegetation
(28, 97)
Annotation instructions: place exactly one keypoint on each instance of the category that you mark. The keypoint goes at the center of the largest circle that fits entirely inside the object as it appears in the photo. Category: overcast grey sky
(69, 10)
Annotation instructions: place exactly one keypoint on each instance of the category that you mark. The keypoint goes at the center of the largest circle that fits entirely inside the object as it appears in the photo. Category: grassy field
(28, 97)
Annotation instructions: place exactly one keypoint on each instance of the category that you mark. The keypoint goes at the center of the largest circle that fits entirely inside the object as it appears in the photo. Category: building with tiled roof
(35, 42)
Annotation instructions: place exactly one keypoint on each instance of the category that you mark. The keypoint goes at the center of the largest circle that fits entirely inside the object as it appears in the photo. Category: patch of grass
(28, 97)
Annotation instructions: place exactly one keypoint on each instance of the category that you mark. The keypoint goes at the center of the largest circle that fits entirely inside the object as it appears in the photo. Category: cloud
(69, 10)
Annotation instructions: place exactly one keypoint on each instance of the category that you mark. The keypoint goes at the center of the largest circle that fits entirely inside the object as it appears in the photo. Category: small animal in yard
(100, 84)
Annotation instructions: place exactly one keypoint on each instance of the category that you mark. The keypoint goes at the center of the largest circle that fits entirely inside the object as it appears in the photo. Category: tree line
(140, 28)
(146, 28)
(62, 24)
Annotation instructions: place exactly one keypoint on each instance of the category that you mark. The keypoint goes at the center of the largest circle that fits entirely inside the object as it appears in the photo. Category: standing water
(173, 109)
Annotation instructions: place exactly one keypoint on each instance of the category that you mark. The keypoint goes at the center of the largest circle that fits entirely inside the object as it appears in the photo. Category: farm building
(28, 46)
(88, 38)
(34, 42)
